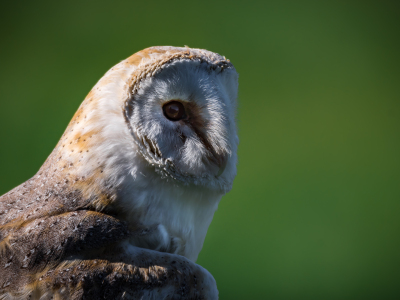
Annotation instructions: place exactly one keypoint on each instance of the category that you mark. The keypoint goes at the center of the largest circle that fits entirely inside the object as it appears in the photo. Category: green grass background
(315, 209)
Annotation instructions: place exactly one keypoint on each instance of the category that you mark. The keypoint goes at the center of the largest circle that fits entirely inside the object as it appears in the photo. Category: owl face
(182, 120)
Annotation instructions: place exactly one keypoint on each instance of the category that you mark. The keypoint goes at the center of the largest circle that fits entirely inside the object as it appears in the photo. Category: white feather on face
(202, 146)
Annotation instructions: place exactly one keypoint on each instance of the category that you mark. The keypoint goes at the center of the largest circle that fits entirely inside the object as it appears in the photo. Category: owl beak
(220, 161)
(222, 166)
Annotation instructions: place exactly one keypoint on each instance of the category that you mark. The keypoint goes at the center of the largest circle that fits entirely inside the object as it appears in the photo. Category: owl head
(165, 112)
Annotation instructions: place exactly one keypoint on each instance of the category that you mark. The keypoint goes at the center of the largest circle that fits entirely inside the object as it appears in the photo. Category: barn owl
(121, 207)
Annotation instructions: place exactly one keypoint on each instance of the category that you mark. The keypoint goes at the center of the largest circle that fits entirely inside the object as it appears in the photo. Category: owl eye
(174, 111)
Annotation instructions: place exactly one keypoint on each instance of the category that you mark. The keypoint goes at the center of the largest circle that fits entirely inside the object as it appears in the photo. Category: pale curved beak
(222, 166)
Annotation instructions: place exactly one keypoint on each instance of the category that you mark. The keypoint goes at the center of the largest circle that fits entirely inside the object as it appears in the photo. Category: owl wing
(84, 254)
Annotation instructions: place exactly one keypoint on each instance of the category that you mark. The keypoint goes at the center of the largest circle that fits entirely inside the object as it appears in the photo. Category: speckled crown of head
(151, 60)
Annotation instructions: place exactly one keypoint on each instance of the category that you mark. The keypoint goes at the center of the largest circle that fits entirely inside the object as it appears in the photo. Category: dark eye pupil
(174, 111)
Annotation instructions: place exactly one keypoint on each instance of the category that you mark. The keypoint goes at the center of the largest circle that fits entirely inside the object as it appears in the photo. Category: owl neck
(175, 216)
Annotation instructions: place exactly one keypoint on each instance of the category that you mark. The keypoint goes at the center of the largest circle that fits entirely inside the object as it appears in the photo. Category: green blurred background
(315, 208)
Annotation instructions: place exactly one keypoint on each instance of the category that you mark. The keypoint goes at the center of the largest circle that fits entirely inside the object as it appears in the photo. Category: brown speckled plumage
(63, 231)
(53, 240)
